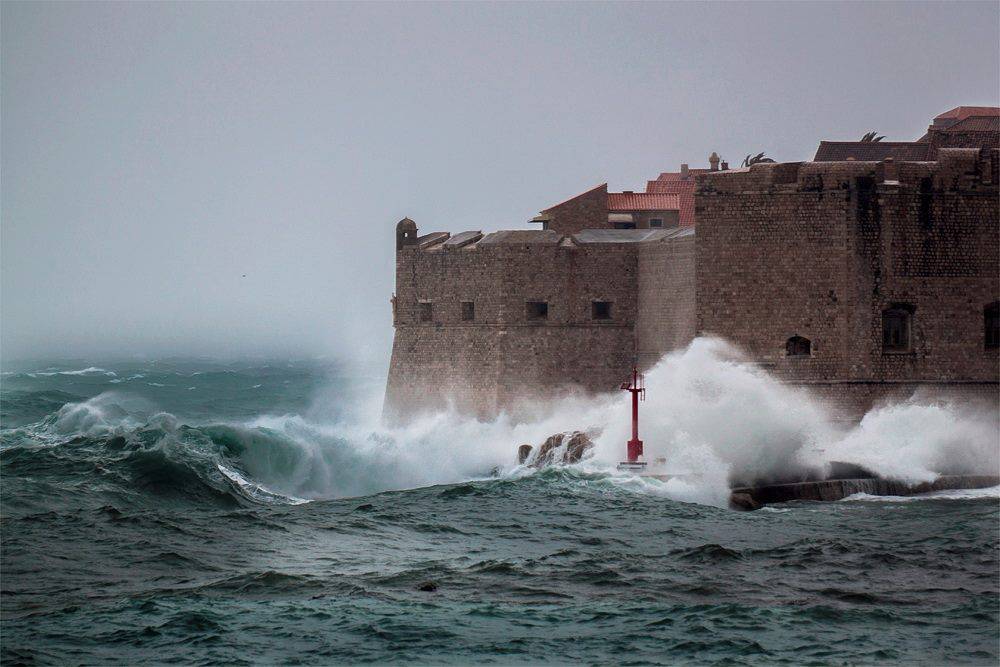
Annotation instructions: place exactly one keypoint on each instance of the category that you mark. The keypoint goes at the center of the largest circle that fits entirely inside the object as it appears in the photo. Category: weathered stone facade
(825, 252)
(597, 314)
(861, 280)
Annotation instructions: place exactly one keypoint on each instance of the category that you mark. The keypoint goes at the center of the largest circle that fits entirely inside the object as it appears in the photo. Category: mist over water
(209, 511)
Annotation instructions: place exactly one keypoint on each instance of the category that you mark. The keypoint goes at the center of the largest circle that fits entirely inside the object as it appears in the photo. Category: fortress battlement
(864, 275)
(956, 170)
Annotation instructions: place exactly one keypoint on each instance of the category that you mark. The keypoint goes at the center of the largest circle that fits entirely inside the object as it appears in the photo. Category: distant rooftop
(642, 201)
(961, 127)
(873, 151)
(961, 113)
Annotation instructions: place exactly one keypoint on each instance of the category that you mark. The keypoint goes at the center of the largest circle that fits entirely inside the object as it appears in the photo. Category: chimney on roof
(725, 166)
(684, 171)
(713, 161)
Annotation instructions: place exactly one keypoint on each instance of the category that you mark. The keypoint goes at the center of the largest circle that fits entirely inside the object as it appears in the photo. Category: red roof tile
(961, 113)
(685, 194)
(642, 201)
(976, 124)
(676, 175)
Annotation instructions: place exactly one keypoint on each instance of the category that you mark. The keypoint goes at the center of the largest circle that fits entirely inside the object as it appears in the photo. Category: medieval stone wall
(667, 309)
(507, 354)
(821, 250)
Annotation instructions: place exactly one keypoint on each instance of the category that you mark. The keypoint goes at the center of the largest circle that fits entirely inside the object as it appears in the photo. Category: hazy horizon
(224, 179)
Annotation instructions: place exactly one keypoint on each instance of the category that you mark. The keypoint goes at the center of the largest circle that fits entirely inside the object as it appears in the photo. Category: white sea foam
(92, 370)
(708, 413)
(950, 494)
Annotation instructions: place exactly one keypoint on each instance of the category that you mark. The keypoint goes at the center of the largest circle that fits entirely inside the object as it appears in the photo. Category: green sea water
(196, 512)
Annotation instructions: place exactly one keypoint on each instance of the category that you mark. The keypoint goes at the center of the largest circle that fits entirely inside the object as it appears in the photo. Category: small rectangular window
(991, 325)
(896, 328)
(537, 310)
(468, 311)
(655, 223)
(426, 311)
(600, 310)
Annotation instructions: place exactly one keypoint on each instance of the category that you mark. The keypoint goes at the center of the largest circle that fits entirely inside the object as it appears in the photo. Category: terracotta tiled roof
(642, 201)
(676, 175)
(976, 124)
(961, 113)
(870, 151)
(685, 194)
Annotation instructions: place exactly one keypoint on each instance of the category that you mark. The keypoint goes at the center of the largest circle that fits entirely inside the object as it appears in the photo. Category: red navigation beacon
(637, 388)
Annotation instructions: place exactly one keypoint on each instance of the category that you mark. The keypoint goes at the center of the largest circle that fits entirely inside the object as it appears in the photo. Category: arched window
(897, 325)
(797, 346)
(991, 325)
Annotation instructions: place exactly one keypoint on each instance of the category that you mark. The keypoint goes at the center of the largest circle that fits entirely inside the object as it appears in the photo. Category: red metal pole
(634, 446)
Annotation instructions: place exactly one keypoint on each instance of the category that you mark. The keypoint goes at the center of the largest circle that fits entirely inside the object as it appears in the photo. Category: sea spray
(713, 417)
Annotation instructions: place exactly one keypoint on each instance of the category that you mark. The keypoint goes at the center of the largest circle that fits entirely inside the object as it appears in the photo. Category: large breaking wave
(708, 414)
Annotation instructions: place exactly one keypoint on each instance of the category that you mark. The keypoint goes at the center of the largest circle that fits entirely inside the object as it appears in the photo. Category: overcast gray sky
(153, 154)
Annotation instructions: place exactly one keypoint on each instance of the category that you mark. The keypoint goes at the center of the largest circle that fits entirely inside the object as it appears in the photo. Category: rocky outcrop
(564, 448)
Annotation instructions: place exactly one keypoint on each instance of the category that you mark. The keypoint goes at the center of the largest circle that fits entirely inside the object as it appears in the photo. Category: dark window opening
(545, 225)
(624, 225)
(426, 311)
(896, 327)
(991, 325)
(600, 310)
(655, 222)
(537, 310)
(468, 311)
(797, 346)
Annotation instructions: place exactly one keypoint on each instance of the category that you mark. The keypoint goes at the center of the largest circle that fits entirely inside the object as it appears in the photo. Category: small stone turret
(406, 233)
(713, 161)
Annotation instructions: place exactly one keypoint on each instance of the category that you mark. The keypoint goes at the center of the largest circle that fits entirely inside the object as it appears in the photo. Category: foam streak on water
(261, 513)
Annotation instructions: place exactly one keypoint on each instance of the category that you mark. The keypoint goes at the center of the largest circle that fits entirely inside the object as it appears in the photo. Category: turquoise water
(197, 512)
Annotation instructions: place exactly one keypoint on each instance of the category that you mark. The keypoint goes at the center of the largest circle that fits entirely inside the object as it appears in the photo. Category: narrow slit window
(537, 310)
(991, 326)
(897, 325)
(600, 310)
(468, 311)
(426, 311)
(655, 223)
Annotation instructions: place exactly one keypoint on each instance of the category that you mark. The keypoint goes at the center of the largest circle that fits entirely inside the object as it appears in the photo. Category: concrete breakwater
(841, 479)
(755, 497)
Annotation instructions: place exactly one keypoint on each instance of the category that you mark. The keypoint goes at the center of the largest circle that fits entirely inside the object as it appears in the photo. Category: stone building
(961, 127)
(861, 279)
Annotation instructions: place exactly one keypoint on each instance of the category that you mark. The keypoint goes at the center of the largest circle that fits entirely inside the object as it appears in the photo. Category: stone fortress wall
(802, 265)
(483, 322)
(826, 251)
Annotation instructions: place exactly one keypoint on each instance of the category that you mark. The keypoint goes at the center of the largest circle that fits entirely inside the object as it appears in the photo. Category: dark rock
(428, 586)
(577, 444)
(523, 453)
(743, 501)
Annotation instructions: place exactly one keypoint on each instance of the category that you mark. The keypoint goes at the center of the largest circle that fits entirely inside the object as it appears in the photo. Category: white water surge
(707, 413)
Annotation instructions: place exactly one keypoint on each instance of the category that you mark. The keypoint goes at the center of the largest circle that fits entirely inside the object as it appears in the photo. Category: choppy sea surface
(197, 512)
